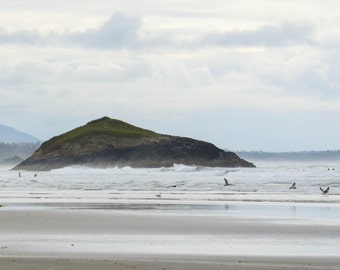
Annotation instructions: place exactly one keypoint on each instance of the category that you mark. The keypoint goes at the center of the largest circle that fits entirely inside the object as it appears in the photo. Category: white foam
(272, 179)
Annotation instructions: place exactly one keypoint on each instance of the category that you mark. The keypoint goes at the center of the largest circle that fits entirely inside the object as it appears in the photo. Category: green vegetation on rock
(101, 132)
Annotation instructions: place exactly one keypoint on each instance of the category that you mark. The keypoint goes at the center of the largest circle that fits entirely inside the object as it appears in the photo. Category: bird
(226, 183)
(182, 183)
(293, 186)
(324, 191)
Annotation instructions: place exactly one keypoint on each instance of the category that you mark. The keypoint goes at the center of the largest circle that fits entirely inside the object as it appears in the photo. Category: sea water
(266, 178)
(179, 188)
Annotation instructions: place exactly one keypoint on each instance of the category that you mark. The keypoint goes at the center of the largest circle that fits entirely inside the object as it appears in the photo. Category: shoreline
(313, 213)
(168, 262)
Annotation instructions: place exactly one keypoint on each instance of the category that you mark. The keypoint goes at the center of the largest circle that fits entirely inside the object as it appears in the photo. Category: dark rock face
(175, 150)
(161, 152)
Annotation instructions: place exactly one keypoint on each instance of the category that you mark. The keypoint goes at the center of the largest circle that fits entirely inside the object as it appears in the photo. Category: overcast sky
(244, 75)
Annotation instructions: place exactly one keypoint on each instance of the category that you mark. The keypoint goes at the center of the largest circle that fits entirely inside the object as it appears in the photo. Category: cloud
(122, 31)
(269, 35)
(162, 64)
(31, 37)
(119, 31)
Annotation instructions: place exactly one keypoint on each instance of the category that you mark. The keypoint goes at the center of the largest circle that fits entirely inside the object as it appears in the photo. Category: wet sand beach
(182, 263)
(101, 239)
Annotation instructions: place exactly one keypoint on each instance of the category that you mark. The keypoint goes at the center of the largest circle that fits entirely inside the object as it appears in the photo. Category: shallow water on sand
(326, 213)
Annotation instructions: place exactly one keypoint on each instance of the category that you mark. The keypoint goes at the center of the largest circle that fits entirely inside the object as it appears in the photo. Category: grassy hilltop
(100, 133)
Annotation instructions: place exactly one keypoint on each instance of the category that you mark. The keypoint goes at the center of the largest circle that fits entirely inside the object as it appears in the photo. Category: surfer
(293, 186)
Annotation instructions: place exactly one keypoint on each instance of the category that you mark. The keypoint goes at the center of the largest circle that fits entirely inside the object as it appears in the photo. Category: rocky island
(107, 142)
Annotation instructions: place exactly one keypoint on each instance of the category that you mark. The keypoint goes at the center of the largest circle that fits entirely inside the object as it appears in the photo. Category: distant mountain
(109, 142)
(11, 135)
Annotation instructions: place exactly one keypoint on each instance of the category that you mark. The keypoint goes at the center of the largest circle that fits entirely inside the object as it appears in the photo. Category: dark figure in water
(324, 191)
(226, 183)
(293, 186)
(19, 174)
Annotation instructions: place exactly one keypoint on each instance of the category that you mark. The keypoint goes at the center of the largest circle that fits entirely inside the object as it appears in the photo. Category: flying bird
(324, 191)
(226, 183)
(177, 185)
(293, 186)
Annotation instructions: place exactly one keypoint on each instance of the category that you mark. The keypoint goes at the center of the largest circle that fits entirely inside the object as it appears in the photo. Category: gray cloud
(122, 31)
(268, 35)
(119, 31)
(21, 37)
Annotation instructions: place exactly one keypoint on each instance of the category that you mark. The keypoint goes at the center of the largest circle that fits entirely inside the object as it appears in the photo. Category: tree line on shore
(328, 155)
(22, 150)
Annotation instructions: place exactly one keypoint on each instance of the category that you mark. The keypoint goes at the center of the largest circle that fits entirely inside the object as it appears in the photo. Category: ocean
(179, 184)
(270, 178)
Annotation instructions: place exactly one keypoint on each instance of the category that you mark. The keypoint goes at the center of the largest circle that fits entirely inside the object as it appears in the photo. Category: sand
(100, 239)
(232, 263)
